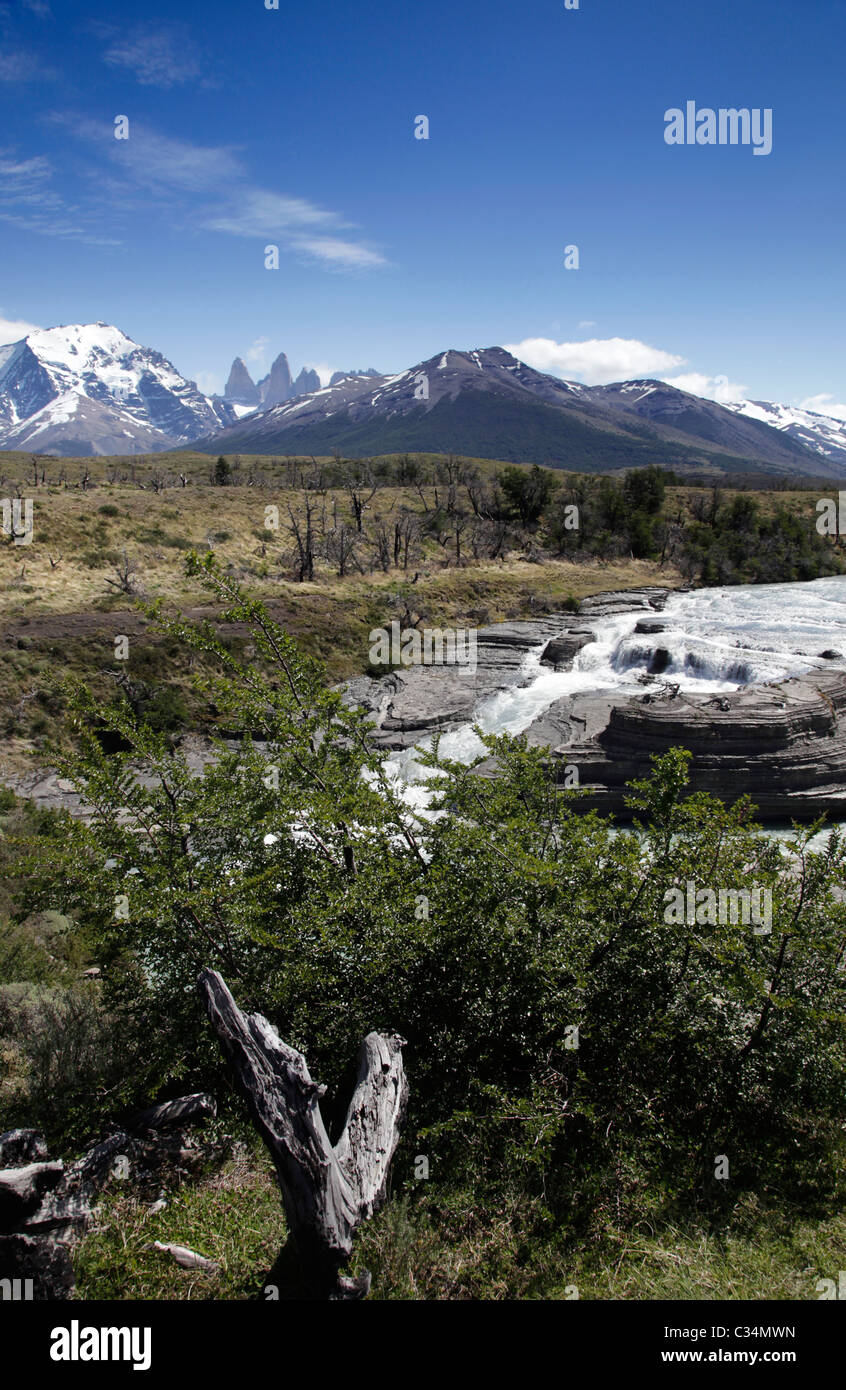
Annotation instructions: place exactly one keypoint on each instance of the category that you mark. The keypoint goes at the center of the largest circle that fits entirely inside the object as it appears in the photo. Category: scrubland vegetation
(556, 1158)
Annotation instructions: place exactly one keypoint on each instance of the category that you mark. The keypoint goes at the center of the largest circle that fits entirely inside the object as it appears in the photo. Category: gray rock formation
(560, 651)
(783, 744)
(780, 742)
(306, 381)
(240, 386)
(614, 601)
(277, 386)
(413, 701)
(471, 395)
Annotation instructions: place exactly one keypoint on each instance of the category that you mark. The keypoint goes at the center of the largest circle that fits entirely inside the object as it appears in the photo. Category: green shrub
(484, 936)
(71, 1059)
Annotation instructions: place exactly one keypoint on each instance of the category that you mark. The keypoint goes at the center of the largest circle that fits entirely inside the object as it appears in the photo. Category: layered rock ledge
(414, 701)
(783, 744)
(417, 700)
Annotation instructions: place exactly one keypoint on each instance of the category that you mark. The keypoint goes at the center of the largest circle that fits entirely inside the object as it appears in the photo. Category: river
(717, 640)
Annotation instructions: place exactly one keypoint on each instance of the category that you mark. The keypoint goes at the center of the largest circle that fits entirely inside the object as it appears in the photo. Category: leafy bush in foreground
(563, 1036)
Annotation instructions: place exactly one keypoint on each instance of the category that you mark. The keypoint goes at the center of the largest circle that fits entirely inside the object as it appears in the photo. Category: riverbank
(753, 682)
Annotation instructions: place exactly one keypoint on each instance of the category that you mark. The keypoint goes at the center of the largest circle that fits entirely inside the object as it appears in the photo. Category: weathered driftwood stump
(326, 1190)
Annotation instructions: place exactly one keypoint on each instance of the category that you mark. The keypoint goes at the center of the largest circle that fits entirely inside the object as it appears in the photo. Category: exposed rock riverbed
(781, 741)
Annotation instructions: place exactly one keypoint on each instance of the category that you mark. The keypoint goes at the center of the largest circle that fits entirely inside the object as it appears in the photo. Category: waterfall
(715, 640)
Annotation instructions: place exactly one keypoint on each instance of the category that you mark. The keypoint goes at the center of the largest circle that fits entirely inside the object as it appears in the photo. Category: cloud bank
(599, 361)
(595, 361)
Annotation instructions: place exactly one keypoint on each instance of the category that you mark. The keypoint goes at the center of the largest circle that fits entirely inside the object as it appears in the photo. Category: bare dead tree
(136, 692)
(460, 522)
(127, 574)
(302, 531)
(420, 489)
(480, 496)
(341, 544)
(327, 1190)
(410, 538)
(405, 530)
(380, 540)
(18, 709)
(487, 538)
(408, 470)
(361, 489)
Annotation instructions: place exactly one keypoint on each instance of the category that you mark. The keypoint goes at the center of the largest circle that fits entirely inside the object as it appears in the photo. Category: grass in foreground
(426, 1245)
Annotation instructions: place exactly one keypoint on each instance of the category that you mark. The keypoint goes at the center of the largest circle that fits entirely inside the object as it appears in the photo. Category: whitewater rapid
(716, 640)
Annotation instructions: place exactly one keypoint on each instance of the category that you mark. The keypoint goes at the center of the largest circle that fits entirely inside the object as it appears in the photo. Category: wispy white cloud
(824, 404)
(12, 330)
(208, 186)
(596, 361)
(210, 383)
(324, 370)
(258, 212)
(713, 388)
(18, 61)
(157, 162)
(29, 200)
(158, 56)
(340, 254)
(26, 180)
(18, 65)
(257, 351)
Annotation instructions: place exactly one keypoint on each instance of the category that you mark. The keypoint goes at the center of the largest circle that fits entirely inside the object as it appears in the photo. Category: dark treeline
(713, 536)
(401, 512)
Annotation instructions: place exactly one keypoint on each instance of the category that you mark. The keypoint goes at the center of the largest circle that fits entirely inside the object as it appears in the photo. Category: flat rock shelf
(783, 744)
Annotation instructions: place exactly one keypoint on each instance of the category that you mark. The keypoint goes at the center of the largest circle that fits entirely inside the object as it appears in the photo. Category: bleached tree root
(326, 1191)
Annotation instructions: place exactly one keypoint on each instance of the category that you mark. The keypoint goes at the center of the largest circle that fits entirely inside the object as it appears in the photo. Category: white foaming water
(717, 640)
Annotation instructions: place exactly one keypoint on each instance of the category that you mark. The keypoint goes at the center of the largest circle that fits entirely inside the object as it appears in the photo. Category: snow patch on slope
(822, 433)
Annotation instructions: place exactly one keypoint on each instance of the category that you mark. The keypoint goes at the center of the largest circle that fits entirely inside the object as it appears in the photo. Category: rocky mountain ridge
(486, 403)
(87, 389)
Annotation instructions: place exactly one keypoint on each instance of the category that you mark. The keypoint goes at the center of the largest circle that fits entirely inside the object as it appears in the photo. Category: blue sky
(295, 127)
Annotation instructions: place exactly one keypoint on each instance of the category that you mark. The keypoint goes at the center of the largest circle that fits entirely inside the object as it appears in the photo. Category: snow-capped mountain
(823, 434)
(359, 371)
(488, 404)
(89, 389)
